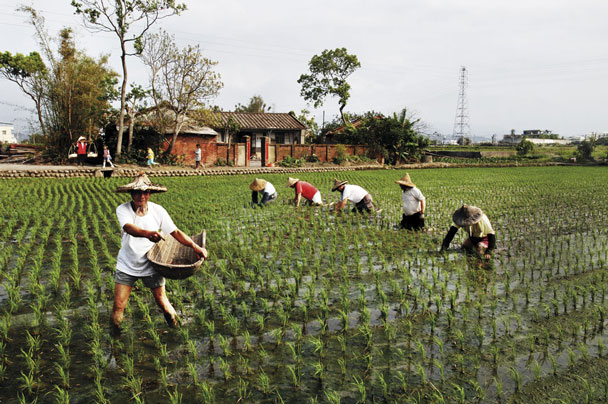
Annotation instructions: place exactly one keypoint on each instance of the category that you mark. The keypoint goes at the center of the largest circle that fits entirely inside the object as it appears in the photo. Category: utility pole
(461, 123)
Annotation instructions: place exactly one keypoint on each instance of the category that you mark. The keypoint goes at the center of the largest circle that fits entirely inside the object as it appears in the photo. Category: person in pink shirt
(306, 190)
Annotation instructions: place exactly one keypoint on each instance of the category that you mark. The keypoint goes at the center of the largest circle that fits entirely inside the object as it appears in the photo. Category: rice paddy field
(303, 306)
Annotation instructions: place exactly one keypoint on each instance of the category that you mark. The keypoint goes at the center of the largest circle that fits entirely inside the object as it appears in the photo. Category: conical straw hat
(338, 184)
(467, 215)
(257, 185)
(292, 181)
(141, 183)
(405, 180)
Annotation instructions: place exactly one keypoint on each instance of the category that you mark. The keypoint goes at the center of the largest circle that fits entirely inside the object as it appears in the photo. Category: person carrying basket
(140, 221)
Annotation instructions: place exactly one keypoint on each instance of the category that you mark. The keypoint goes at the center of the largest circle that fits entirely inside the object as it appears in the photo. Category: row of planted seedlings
(48, 278)
(478, 331)
(309, 306)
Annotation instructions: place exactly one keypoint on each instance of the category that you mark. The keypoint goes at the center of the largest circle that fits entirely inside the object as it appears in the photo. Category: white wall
(6, 133)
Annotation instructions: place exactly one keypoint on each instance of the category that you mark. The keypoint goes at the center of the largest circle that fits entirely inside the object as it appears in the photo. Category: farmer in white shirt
(140, 222)
(413, 204)
(269, 193)
(354, 193)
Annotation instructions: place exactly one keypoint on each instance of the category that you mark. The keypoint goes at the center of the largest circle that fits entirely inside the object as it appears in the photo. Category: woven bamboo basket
(174, 260)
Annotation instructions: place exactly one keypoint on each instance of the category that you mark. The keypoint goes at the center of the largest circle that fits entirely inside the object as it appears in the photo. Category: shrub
(585, 149)
(221, 163)
(313, 158)
(340, 157)
(524, 147)
(290, 162)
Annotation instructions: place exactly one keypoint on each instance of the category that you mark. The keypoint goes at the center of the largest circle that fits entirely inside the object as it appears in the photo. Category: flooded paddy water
(307, 306)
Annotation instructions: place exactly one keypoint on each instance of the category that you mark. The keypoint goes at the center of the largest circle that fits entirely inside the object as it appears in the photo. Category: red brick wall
(186, 144)
(325, 152)
(222, 149)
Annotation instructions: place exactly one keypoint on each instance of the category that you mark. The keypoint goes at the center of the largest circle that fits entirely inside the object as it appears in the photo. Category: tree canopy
(256, 105)
(120, 17)
(328, 74)
(29, 73)
(183, 79)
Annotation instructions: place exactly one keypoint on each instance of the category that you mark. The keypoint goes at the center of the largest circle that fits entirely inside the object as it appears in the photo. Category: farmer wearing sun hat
(81, 150)
(413, 204)
(140, 222)
(269, 193)
(482, 238)
(354, 193)
(306, 190)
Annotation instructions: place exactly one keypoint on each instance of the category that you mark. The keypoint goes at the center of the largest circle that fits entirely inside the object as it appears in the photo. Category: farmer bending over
(269, 193)
(482, 238)
(306, 190)
(354, 193)
(413, 204)
(140, 221)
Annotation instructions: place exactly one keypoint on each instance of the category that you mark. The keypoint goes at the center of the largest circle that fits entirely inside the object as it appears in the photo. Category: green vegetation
(306, 306)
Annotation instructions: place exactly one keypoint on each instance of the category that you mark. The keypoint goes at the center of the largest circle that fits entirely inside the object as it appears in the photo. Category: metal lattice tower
(461, 123)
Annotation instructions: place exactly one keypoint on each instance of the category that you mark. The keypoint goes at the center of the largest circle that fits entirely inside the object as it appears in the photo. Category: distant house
(541, 142)
(280, 128)
(6, 133)
(512, 139)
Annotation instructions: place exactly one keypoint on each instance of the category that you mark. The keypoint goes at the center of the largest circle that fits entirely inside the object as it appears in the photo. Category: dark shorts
(483, 240)
(412, 222)
(365, 204)
(152, 281)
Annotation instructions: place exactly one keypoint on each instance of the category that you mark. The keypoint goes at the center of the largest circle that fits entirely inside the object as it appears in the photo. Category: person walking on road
(107, 158)
(81, 150)
(414, 204)
(150, 157)
(198, 154)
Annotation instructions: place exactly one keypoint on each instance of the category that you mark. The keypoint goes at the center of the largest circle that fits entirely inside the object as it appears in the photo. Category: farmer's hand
(200, 251)
(487, 256)
(154, 236)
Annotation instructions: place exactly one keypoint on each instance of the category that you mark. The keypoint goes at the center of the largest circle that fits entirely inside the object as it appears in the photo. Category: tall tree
(119, 17)
(135, 98)
(328, 74)
(256, 105)
(183, 79)
(78, 94)
(29, 73)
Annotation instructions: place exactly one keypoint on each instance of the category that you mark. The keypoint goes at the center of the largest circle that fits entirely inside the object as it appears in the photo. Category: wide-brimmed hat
(81, 138)
(405, 180)
(257, 185)
(292, 181)
(467, 215)
(141, 183)
(338, 184)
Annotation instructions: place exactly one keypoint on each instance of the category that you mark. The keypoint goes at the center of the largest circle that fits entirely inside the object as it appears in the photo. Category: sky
(531, 64)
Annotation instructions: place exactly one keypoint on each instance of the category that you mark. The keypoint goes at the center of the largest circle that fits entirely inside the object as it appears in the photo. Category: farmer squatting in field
(413, 204)
(140, 221)
(354, 193)
(269, 193)
(306, 190)
(482, 238)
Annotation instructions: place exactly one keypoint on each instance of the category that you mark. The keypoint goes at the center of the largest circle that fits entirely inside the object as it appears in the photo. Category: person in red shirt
(306, 190)
(81, 150)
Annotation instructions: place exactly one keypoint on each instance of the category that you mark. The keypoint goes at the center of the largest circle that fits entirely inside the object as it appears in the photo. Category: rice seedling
(330, 299)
